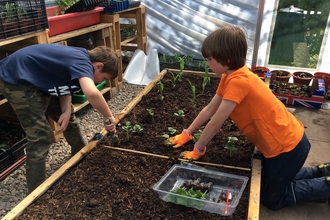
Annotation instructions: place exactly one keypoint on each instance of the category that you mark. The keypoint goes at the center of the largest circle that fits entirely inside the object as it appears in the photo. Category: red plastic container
(61, 23)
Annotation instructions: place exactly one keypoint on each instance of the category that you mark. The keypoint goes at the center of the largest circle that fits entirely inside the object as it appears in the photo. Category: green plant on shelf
(65, 3)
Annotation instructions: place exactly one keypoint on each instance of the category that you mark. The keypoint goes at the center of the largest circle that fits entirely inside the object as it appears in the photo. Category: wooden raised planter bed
(111, 170)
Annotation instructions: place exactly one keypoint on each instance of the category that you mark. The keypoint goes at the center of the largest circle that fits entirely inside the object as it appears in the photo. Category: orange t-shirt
(260, 116)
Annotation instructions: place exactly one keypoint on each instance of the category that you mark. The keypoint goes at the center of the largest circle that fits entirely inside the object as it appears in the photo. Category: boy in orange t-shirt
(240, 96)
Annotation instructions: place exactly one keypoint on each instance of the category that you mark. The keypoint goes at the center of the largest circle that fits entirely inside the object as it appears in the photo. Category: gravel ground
(13, 189)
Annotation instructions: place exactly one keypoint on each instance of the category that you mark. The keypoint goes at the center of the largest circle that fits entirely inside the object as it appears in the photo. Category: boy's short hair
(227, 46)
(108, 57)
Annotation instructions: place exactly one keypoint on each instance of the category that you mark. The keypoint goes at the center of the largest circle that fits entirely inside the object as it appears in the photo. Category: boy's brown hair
(227, 46)
(108, 57)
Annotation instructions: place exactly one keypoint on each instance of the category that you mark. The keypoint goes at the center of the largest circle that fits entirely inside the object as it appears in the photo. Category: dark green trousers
(32, 107)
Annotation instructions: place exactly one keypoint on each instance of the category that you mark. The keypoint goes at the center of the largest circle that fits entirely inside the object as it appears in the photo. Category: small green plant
(194, 96)
(171, 130)
(150, 111)
(181, 70)
(177, 57)
(174, 79)
(137, 128)
(206, 79)
(182, 65)
(164, 57)
(230, 145)
(179, 113)
(189, 59)
(303, 75)
(161, 89)
(167, 136)
(65, 3)
(197, 194)
(197, 135)
(128, 128)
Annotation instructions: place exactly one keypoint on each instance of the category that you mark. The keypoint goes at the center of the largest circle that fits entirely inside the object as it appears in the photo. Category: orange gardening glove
(180, 139)
(193, 155)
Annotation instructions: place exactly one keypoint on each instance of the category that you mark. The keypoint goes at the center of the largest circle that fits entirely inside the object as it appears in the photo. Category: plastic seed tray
(134, 3)
(5, 159)
(22, 17)
(222, 184)
(83, 5)
(18, 150)
(114, 6)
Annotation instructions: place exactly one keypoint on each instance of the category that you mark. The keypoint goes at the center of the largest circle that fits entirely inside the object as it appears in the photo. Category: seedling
(164, 57)
(182, 200)
(189, 59)
(161, 89)
(230, 145)
(137, 128)
(303, 75)
(150, 111)
(181, 70)
(174, 79)
(206, 79)
(177, 57)
(128, 128)
(171, 130)
(197, 135)
(167, 136)
(193, 90)
(180, 114)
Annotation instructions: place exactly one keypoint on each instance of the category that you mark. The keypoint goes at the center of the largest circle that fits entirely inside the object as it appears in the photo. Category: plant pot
(324, 76)
(62, 23)
(305, 79)
(261, 71)
(282, 75)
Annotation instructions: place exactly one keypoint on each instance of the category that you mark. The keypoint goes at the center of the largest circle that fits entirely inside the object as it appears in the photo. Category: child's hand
(110, 124)
(193, 155)
(180, 139)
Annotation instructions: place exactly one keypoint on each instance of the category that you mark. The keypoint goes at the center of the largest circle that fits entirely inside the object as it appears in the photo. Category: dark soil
(113, 184)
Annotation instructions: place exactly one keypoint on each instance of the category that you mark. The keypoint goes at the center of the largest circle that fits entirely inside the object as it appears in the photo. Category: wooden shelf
(79, 32)
(33, 38)
(140, 40)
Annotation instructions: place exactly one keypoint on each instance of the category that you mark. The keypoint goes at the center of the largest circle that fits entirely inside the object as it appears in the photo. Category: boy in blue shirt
(39, 81)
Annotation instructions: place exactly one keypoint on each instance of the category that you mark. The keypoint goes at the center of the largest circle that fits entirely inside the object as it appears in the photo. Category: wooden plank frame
(254, 199)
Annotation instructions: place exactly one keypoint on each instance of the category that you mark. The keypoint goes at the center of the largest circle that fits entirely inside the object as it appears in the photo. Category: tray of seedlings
(200, 188)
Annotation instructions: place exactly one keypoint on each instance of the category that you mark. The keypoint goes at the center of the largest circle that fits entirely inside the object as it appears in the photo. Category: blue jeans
(284, 180)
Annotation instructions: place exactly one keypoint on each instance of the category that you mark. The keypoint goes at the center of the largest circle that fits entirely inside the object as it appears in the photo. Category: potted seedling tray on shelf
(311, 96)
(197, 187)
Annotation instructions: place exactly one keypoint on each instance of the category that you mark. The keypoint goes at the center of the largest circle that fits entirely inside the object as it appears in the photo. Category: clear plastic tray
(222, 182)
